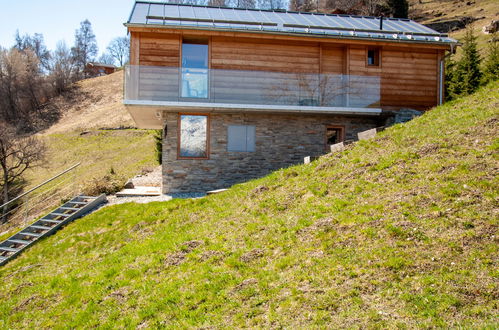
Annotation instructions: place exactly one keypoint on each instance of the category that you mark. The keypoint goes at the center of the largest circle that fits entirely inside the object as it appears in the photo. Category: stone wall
(281, 140)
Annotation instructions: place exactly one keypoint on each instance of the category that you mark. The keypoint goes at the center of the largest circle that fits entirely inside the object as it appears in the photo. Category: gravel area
(151, 179)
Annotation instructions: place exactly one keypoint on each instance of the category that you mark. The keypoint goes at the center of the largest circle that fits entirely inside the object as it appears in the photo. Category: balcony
(197, 89)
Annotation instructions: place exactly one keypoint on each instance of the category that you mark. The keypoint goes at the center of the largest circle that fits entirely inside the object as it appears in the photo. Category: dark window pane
(193, 136)
(334, 135)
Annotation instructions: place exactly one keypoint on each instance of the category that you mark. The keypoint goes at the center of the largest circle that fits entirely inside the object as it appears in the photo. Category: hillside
(454, 14)
(399, 231)
(86, 133)
(95, 103)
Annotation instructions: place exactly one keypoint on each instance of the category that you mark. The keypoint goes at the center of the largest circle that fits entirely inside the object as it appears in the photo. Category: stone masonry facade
(281, 140)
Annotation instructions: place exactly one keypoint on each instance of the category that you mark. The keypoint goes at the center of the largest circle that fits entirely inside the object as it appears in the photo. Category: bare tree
(217, 3)
(62, 68)
(23, 88)
(85, 48)
(17, 154)
(119, 50)
(271, 4)
(36, 44)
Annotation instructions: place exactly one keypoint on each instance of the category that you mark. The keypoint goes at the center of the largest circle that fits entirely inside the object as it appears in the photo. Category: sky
(58, 19)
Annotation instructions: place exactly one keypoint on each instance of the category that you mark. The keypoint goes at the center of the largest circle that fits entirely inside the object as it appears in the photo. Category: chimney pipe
(381, 22)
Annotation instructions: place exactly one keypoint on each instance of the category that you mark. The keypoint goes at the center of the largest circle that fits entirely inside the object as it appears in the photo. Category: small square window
(334, 135)
(240, 138)
(373, 57)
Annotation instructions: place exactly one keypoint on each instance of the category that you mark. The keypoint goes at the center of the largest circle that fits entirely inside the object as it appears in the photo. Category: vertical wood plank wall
(409, 76)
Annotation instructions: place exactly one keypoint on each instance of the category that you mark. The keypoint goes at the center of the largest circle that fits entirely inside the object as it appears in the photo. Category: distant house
(95, 69)
(242, 92)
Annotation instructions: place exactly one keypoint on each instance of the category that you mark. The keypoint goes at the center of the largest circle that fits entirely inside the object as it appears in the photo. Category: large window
(241, 138)
(194, 70)
(193, 137)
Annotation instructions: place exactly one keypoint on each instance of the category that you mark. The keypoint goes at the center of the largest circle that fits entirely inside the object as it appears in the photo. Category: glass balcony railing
(158, 84)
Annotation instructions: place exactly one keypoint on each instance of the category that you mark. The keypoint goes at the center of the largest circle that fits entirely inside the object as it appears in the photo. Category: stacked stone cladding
(281, 140)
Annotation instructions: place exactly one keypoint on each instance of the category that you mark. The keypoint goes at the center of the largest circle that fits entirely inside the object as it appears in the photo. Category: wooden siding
(160, 50)
(263, 55)
(333, 60)
(408, 75)
(409, 78)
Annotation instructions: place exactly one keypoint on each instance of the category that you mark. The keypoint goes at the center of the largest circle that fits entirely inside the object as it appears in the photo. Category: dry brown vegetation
(93, 103)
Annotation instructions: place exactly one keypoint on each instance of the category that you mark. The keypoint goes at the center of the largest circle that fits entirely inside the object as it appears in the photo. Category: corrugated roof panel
(154, 13)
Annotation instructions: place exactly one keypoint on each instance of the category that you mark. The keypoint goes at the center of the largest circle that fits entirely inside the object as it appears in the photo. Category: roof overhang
(148, 114)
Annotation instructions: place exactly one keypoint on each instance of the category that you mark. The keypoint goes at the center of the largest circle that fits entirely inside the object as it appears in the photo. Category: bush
(108, 184)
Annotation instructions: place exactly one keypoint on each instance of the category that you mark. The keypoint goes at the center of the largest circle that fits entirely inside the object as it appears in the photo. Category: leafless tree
(23, 88)
(36, 44)
(62, 68)
(119, 50)
(218, 3)
(17, 154)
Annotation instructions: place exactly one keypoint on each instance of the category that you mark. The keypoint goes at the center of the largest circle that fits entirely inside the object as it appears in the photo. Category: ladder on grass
(47, 225)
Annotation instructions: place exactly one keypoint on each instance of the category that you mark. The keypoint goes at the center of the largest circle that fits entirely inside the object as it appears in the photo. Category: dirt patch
(191, 245)
(24, 304)
(428, 149)
(175, 259)
(259, 190)
(211, 254)
(252, 255)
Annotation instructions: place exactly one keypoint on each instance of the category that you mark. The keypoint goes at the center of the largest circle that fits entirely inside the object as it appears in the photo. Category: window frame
(246, 137)
(179, 134)
(193, 41)
(341, 128)
(377, 59)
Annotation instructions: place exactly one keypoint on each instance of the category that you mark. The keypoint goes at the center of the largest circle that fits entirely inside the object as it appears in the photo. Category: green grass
(119, 154)
(397, 232)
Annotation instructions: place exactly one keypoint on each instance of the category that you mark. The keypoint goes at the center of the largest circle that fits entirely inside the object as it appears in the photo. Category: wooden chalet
(242, 92)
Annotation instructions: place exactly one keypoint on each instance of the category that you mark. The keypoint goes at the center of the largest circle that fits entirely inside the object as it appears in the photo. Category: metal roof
(279, 21)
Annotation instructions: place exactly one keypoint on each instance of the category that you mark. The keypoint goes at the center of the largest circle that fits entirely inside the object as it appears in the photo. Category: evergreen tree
(398, 8)
(465, 74)
(491, 67)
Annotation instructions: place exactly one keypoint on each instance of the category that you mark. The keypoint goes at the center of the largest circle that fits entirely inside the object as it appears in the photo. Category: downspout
(442, 69)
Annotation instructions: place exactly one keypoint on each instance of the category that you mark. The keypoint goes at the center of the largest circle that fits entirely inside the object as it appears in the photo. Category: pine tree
(465, 75)
(398, 8)
(491, 66)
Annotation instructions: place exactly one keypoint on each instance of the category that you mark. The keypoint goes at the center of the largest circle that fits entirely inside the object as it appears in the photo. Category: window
(334, 135)
(241, 138)
(193, 136)
(194, 70)
(373, 56)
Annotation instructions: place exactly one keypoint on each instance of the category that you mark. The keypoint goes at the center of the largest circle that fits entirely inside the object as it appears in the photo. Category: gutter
(328, 36)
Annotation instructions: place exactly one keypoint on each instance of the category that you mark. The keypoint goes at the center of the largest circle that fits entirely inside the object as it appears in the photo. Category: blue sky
(58, 19)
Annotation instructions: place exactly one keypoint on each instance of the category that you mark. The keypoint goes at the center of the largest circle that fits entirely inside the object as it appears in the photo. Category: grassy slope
(429, 11)
(399, 231)
(96, 103)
